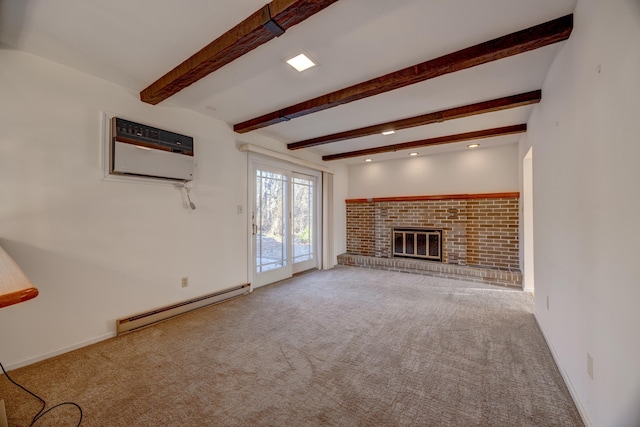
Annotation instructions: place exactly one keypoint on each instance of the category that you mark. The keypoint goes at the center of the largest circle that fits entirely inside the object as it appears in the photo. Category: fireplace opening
(419, 243)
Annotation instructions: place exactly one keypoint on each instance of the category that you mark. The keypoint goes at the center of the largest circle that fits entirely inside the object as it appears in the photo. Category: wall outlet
(185, 282)
(239, 209)
(547, 302)
(590, 366)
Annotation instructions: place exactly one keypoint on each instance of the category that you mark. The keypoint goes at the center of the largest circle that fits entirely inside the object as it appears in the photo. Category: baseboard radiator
(148, 318)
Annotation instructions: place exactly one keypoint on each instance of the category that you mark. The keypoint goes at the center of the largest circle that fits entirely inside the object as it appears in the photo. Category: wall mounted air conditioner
(144, 151)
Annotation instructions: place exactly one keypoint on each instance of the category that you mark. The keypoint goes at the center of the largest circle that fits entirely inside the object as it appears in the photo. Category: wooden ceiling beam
(498, 104)
(448, 139)
(502, 47)
(270, 21)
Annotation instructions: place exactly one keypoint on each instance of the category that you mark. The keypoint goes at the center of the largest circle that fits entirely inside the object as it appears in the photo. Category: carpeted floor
(344, 347)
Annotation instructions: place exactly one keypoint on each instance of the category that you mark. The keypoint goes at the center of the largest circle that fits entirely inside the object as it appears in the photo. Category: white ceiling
(133, 43)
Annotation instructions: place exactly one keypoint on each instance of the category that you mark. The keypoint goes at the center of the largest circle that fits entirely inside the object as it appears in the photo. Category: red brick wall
(492, 233)
(476, 231)
(360, 228)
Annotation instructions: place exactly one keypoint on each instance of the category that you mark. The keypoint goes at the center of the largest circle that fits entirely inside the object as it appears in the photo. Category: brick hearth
(437, 269)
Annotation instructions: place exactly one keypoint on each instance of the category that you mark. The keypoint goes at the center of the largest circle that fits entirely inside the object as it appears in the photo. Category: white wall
(98, 250)
(340, 194)
(586, 203)
(482, 170)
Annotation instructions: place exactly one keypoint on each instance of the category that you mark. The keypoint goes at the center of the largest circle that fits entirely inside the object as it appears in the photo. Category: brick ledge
(509, 278)
(511, 195)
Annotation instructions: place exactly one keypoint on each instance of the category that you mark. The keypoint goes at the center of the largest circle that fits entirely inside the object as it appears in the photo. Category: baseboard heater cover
(148, 318)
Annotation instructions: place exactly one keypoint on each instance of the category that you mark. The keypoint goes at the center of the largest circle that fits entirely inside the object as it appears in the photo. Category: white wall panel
(480, 170)
(584, 135)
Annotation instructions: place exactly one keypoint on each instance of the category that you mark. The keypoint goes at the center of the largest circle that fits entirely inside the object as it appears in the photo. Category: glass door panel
(303, 222)
(270, 225)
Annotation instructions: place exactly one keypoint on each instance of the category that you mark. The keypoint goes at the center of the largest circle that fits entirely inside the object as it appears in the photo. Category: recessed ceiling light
(388, 132)
(368, 160)
(473, 145)
(301, 62)
(413, 154)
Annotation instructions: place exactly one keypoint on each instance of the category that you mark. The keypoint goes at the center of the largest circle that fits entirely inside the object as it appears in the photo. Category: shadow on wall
(12, 28)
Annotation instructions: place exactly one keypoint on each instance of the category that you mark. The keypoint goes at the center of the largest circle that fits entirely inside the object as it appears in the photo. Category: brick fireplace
(479, 234)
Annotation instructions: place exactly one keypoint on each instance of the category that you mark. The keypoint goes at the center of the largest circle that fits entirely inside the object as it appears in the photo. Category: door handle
(254, 227)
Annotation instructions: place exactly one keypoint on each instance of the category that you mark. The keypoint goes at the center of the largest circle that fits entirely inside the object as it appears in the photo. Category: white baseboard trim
(565, 377)
(25, 362)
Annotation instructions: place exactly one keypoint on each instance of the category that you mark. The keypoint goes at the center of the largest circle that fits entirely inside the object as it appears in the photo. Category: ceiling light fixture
(473, 145)
(301, 62)
(388, 132)
(368, 160)
(413, 154)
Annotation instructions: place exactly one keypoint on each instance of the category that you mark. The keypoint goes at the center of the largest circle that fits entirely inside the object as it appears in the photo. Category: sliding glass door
(284, 226)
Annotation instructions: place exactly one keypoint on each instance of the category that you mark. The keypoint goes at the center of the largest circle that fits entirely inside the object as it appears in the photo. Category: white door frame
(527, 220)
(256, 160)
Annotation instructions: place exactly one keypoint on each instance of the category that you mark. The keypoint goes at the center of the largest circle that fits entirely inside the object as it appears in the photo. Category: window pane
(303, 238)
(270, 221)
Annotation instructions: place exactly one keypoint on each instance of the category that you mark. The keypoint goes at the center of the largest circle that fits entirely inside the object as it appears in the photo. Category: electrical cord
(188, 191)
(42, 412)
(191, 204)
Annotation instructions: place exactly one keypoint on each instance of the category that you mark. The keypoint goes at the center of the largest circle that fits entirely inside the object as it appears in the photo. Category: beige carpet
(345, 347)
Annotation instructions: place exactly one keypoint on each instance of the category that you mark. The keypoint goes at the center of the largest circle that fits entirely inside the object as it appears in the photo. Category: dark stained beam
(468, 136)
(263, 25)
(502, 47)
(436, 117)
